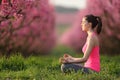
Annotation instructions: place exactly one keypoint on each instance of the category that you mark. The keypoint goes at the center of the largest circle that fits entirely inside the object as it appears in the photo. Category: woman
(92, 25)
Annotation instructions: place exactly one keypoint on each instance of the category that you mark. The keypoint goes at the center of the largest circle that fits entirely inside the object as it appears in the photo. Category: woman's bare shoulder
(94, 39)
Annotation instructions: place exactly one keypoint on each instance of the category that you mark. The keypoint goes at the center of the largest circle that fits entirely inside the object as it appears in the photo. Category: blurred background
(39, 26)
(66, 13)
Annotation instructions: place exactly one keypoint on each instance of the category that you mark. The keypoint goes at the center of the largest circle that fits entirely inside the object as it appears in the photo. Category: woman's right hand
(65, 59)
(67, 55)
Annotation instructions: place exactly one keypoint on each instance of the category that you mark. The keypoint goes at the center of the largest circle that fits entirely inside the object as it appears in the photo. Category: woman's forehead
(84, 19)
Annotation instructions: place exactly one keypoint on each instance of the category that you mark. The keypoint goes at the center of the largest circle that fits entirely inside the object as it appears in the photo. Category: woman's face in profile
(84, 24)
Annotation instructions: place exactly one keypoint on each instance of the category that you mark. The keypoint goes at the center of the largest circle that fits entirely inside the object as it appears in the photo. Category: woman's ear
(90, 24)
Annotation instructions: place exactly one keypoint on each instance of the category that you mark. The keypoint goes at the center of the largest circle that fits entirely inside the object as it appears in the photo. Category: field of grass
(48, 68)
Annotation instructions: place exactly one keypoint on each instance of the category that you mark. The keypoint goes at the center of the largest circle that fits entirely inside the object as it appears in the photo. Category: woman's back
(93, 61)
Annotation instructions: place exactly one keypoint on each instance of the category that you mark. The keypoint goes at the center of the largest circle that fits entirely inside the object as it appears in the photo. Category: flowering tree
(26, 26)
(109, 11)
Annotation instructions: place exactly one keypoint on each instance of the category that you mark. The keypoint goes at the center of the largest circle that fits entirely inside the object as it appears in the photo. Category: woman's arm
(90, 45)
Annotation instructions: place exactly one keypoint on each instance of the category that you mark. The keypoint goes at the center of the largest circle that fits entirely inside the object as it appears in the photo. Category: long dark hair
(96, 21)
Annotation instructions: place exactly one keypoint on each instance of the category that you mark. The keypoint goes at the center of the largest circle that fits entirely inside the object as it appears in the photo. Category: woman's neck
(89, 32)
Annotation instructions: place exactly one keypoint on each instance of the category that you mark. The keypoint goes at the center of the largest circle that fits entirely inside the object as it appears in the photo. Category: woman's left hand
(69, 59)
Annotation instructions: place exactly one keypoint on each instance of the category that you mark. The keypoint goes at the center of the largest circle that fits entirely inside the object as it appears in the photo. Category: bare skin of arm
(91, 42)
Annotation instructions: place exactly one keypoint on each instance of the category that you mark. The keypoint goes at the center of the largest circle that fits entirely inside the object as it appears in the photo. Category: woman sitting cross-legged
(91, 59)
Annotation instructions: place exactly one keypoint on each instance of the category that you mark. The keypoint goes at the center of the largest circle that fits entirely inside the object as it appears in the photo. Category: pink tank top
(93, 61)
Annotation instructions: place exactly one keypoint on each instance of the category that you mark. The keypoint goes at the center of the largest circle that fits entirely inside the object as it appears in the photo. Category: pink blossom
(29, 28)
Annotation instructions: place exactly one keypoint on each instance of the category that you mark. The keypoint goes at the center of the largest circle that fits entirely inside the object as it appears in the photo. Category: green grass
(48, 67)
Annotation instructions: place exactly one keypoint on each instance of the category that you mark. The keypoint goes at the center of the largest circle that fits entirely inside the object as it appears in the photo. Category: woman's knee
(67, 68)
(63, 67)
